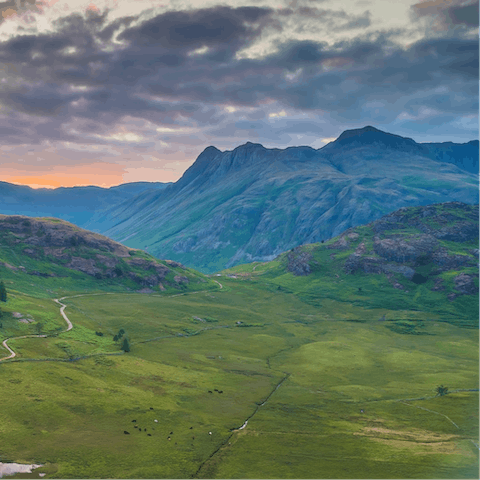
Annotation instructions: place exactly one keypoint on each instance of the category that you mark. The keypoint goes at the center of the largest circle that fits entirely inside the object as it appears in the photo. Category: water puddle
(13, 468)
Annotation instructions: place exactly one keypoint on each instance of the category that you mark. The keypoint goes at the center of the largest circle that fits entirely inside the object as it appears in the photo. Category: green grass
(311, 427)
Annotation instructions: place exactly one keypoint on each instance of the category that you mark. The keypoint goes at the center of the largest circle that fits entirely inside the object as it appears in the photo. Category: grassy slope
(311, 427)
(328, 281)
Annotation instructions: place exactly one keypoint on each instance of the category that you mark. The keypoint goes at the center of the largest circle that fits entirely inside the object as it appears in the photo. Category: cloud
(176, 80)
(449, 13)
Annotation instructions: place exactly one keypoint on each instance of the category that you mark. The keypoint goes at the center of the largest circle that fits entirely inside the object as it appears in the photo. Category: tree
(121, 332)
(3, 292)
(115, 338)
(441, 390)
(125, 346)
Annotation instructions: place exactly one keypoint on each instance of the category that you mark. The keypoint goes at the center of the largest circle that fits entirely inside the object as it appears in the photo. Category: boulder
(465, 284)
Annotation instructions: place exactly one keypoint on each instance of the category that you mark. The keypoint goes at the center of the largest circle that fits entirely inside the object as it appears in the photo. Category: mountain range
(252, 203)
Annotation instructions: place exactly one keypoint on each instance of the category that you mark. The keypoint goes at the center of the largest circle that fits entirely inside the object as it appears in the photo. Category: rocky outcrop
(402, 249)
(446, 261)
(465, 284)
(299, 262)
(85, 265)
(60, 242)
(341, 244)
(181, 279)
(356, 262)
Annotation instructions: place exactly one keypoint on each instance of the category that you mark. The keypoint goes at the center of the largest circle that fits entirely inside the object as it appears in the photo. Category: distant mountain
(252, 203)
(422, 259)
(74, 204)
(54, 254)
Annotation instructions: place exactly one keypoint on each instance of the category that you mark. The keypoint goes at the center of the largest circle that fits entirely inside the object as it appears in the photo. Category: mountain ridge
(251, 203)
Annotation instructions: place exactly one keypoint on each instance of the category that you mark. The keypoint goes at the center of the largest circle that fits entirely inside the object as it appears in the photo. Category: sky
(106, 92)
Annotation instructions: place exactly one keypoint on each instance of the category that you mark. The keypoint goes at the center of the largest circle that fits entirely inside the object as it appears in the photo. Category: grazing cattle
(151, 408)
(126, 433)
(193, 438)
(156, 421)
(191, 428)
(209, 433)
(210, 391)
(149, 434)
(133, 420)
(220, 391)
(171, 433)
(215, 390)
(135, 426)
(168, 438)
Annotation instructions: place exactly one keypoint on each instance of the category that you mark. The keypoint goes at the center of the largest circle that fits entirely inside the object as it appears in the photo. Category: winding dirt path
(69, 323)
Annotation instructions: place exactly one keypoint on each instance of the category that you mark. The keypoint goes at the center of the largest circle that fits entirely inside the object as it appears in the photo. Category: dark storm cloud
(154, 76)
(212, 26)
(449, 13)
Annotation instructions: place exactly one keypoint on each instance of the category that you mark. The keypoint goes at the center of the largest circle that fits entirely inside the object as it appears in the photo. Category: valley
(323, 363)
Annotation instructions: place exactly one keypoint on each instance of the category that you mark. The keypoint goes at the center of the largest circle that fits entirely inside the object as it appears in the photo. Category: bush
(125, 346)
(441, 390)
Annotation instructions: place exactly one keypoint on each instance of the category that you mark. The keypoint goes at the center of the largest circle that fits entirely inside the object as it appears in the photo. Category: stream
(233, 430)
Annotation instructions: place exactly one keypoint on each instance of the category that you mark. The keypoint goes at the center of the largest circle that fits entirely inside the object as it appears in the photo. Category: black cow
(126, 433)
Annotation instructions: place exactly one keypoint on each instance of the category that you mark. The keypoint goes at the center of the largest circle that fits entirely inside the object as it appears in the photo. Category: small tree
(125, 346)
(3, 292)
(441, 390)
(115, 338)
(121, 332)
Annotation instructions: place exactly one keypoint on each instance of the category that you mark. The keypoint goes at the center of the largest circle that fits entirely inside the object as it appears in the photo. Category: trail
(431, 411)
(234, 430)
(69, 323)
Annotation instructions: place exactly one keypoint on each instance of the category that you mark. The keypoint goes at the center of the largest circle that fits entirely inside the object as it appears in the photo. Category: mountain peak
(369, 135)
(358, 132)
(250, 145)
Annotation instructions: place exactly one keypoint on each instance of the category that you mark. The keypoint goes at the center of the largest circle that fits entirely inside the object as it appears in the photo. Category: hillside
(417, 258)
(52, 255)
(252, 203)
(352, 358)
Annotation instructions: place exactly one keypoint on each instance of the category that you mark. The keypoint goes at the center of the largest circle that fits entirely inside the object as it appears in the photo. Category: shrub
(441, 390)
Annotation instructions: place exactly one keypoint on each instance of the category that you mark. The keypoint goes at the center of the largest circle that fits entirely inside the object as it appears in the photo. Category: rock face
(60, 242)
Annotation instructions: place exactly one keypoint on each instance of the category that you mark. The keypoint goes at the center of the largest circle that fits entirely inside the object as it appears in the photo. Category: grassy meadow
(328, 389)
